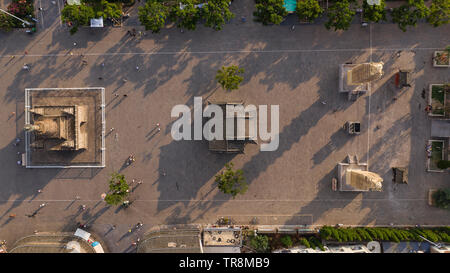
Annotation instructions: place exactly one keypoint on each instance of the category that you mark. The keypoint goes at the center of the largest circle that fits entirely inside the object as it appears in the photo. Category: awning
(73, 2)
(97, 22)
(82, 234)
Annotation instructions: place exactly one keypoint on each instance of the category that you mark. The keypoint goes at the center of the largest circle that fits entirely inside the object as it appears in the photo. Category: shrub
(260, 243)
(442, 198)
(286, 241)
(443, 164)
(305, 242)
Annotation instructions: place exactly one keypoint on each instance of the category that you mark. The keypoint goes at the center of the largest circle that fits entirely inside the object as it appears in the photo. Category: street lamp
(23, 21)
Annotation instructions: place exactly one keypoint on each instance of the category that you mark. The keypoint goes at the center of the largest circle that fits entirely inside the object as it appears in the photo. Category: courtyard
(295, 69)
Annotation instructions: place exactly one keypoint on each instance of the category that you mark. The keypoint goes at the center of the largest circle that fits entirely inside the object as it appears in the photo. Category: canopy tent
(73, 2)
(364, 180)
(364, 73)
(82, 234)
(97, 22)
(373, 2)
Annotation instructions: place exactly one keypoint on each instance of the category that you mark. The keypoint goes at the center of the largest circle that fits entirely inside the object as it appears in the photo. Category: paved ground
(297, 70)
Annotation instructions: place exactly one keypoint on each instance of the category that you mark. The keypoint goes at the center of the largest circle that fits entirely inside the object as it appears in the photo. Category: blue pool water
(290, 5)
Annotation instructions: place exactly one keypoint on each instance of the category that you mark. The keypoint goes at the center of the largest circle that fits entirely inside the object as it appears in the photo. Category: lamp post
(23, 21)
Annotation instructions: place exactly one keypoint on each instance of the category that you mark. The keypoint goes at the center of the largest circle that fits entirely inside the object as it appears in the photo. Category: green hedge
(384, 234)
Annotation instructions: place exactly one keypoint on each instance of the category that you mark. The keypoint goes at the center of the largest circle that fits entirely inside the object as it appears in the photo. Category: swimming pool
(290, 5)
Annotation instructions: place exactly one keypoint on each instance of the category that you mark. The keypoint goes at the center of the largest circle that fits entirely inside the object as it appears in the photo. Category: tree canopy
(216, 13)
(229, 77)
(109, 10)
(6, 22)
(442, 198)
(77, 15)
(153, 15)
(340, 15)
(186, 17)
(410, 13)
(270, 11)
(308, 10)
(374, 13)
(231, 182)
(439, 13)
(118, 189)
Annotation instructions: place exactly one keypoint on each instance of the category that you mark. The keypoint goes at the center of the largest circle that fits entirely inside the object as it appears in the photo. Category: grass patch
(438, 99)
(436, 154)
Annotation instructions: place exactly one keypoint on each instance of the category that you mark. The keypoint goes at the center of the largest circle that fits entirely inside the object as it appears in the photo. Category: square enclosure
(65, 127)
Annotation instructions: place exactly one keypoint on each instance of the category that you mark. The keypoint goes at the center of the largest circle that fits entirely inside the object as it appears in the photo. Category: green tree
(374, 13)
(77, 15)
(270, 11)
(286, 241)
(109, 10)
(260, 243)
(231, 182)
(340, 15)
(186, 17)
(443, 164)
(6, 22)
(228, 77)
(439, 12)
(308, 10)
(442, 198)
(118, 189)
(410, 13)
(215, 13)
(153, 15)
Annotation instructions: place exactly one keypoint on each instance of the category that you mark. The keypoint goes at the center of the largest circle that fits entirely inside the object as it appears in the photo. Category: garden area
(442, 58)
(435, 155)
(340, 14)
(185, 14)
(264, 243)
(387, 234)
(78, 14)
(439, 99)
(441, 198)
(267, 243)
(24, 9)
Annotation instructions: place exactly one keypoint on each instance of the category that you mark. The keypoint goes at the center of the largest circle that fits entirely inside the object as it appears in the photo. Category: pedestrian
(103, 64)
(84, 62)
(77, 197)
(12, 216)
(137, 67)
(25, 67)
(113, 227)
(125, 95)
(116, 95)
(129, 231)
(124, 80)
(133, 243)
(83, 207)
(42, 205)
(112, 129)
(26, 52)
(293, 27)
(100, 78)
(39, 191)
(140, 182)
(13, 113)
(74, 44)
